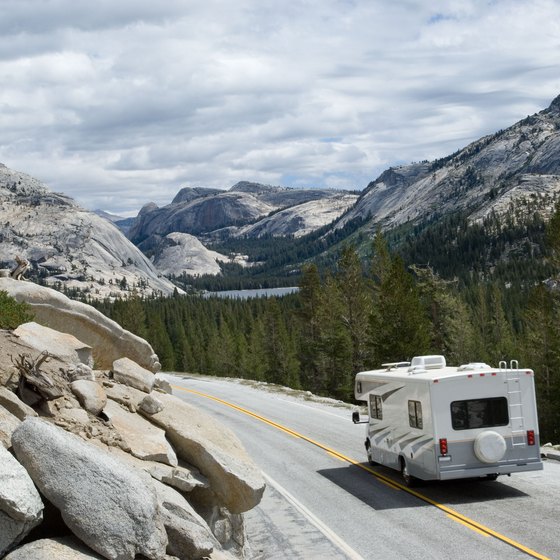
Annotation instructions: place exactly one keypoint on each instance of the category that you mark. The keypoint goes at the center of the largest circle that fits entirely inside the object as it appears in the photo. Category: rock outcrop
(108, 340)
(21, 507)
(214, 450)
(127, 372)
(82, 483)
(67, 548)
(132, 470)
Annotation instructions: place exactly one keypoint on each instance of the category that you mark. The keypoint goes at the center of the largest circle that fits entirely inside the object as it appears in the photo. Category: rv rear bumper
(492, 469)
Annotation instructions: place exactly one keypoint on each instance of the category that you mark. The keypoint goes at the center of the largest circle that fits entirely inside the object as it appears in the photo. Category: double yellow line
(455, 515)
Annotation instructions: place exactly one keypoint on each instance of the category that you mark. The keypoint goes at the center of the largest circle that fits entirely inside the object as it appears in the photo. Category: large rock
(67, 548)
(181, 477)
(108, 339)
(90, 395)
(184, 477)
(123, 394)
(215, 450)
(21, 507)
(109, 507)
(145, 440)
(150, 405)
(13, 404)
(129, 373)
(8, 425)
(62, 345)
(189, 536)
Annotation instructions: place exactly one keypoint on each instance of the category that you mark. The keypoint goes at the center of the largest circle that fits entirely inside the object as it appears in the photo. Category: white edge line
(329, 533)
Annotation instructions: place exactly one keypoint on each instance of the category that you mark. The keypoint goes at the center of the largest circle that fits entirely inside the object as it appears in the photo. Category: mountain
(485, 178)
(68, 246)
(181, 253)
(205, 211)
(300, 219)
(482, 209)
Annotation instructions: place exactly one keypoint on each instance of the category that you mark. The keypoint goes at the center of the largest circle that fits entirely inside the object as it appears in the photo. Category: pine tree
(160, 341)
(452, 331)
(256, 358)
(281, 360)
(335, 346)
(130, 315)
(542, 354)
(310, 328)
(400, 328)
(355, 295)
(494, 335)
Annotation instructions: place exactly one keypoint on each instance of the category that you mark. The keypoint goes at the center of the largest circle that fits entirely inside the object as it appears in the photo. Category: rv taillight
(443, 446)
(530, 437)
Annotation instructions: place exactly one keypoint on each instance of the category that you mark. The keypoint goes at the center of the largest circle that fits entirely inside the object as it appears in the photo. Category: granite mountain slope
(67, 245)
(207, 211)
(485, 177)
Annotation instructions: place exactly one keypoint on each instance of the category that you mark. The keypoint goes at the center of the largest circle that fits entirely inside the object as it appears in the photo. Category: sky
(120, 103)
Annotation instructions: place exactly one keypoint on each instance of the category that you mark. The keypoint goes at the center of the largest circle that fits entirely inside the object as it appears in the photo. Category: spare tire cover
(489, 447)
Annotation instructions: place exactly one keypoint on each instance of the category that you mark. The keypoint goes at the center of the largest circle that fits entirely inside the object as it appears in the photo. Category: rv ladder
(515, 403)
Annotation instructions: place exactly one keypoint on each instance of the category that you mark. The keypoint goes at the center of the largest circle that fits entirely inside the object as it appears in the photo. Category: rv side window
(375, 407)
(479, 413)
(415, 414)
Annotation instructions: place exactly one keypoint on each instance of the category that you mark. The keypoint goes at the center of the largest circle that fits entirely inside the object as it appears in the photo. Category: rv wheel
(409, 480)
(368, 452)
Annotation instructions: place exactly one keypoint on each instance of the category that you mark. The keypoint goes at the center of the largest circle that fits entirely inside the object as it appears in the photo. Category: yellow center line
(469, 526)
(455, 515)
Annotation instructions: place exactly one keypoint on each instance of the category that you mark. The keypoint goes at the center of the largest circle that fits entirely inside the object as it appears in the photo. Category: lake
(246, 294)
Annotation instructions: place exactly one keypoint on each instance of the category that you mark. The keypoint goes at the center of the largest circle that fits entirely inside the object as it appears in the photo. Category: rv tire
(370, 460)
(492, 476)
(409, 480)
(368, 453)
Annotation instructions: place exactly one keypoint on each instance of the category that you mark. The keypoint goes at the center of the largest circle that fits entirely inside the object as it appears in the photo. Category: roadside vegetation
(12, 313)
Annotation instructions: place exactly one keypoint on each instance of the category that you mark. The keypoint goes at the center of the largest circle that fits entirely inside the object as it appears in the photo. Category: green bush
(12, 313)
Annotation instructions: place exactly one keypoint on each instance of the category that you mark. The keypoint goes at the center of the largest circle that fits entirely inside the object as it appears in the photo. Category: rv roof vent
(420, 363)
(473, 366)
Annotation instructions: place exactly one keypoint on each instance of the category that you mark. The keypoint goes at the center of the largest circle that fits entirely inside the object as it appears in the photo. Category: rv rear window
(479, 413)
(375, 407)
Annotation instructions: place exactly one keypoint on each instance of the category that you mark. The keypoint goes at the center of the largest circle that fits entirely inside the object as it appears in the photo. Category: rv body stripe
(386, 395)
(377, 430)
(418, 444)
(463, 519)
(382, 435)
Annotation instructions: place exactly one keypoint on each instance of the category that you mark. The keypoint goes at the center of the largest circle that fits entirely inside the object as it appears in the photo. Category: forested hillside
(365, 312)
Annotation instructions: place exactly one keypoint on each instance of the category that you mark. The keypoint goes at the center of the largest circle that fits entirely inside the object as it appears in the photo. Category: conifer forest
(389, 306)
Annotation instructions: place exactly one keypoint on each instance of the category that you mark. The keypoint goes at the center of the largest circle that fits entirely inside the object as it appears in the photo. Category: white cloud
(120, 103)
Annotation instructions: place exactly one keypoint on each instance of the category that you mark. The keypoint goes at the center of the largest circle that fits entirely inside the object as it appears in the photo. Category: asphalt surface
(319, 505)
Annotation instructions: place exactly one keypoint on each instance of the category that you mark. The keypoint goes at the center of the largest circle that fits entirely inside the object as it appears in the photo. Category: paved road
(318, 505)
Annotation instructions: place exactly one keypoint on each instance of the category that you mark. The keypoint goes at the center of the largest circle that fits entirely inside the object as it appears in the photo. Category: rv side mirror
(356, 417)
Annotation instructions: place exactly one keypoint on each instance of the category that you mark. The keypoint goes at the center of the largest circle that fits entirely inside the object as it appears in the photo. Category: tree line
(355, 317)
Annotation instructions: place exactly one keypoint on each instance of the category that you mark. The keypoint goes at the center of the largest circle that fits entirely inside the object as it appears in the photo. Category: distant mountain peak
(147, 208)
(253, 188)
(555, 103)
(187, 194)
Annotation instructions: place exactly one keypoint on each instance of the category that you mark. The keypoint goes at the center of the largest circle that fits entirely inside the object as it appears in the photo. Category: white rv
(434, 422)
